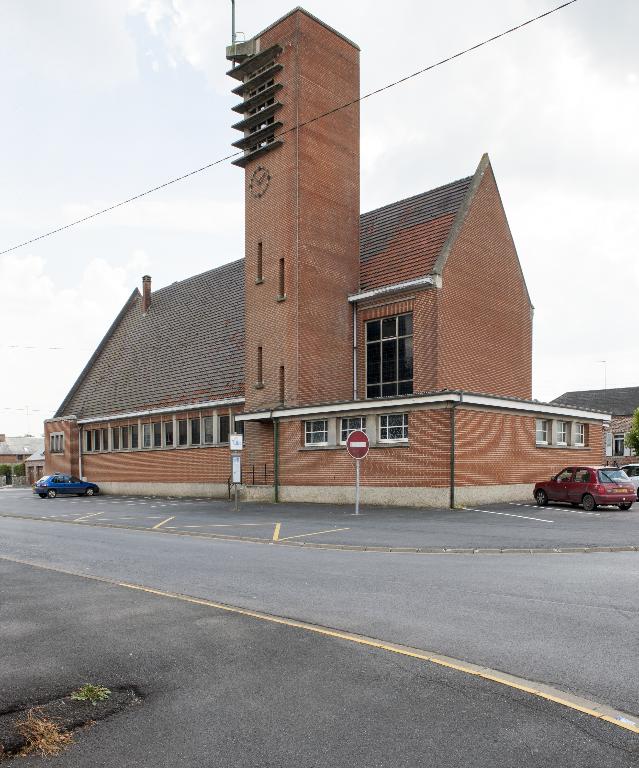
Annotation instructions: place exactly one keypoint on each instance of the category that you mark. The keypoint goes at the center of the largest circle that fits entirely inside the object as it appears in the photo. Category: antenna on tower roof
(233, 21)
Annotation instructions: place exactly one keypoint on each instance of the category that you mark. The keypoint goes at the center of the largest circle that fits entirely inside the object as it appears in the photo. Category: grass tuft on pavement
(42, 735)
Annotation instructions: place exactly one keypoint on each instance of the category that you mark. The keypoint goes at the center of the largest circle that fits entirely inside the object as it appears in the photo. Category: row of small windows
(391, 428)
(56, 442)
(561, 433)
(161, 434)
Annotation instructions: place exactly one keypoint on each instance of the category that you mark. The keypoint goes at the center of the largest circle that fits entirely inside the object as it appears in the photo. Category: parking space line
(565, 509)
(276, 532)
(159, 525)
(508, 514)
(594, 709)
(316, 533)
(86, 517)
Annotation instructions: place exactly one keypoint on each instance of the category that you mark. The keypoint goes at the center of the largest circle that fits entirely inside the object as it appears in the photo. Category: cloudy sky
(102, 99)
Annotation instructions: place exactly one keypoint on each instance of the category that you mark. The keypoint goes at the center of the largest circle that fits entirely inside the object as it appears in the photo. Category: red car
(588, 486)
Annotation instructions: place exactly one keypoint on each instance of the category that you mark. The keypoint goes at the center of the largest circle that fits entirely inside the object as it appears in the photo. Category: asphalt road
(521, 525)
(568, 620)
(231, 691)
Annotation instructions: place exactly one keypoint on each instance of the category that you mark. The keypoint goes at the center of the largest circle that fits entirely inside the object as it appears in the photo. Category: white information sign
(237, 469)
(237, 442)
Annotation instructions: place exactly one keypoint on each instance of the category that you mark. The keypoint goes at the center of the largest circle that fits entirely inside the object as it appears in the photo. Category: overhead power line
(294, 128)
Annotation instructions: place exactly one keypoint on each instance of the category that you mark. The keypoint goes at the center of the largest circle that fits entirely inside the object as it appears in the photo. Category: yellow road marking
(159, 525)
(276, 532)
(547, 692)
(86, 517)
(317, 533)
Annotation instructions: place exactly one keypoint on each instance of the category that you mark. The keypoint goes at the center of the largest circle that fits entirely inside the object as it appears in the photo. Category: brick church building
(412, 322)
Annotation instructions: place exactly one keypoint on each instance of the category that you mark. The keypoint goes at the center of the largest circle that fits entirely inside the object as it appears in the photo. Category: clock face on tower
(260, 180)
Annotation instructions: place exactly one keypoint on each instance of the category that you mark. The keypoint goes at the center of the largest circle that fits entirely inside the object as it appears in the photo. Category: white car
(632, 470)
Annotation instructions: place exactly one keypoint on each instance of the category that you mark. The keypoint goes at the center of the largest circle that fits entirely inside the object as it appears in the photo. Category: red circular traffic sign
(357, 444)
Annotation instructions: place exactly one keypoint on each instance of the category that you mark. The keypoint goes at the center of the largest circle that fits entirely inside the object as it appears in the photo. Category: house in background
(621, 403)
(34, 467)
(14, 450)
(411, 322)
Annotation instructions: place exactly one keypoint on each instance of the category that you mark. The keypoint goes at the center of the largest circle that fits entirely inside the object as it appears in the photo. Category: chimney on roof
(146, 293)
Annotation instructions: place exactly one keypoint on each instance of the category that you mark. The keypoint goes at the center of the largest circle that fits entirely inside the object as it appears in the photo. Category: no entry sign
(357, 444)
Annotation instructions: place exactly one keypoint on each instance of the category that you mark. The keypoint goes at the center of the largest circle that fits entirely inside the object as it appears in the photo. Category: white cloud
(49, 308)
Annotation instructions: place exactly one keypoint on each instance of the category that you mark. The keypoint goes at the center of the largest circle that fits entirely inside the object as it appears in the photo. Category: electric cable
(294, 128)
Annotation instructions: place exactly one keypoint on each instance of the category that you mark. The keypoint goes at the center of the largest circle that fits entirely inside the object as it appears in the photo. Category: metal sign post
(236, 465)
(357, 445)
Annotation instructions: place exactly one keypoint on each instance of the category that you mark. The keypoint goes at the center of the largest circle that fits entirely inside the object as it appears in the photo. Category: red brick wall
(492, 448)
(310, 217)
(424, 462)
(499, 448)
(66, 462)
(485, 322)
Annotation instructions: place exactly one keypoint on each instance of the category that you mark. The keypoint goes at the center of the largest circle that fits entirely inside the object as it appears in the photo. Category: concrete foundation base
(201, 490)
(465, 496)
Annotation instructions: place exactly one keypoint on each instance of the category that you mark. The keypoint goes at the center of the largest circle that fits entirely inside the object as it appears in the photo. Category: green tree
(632, 437)
(5, 469)
(19, 470)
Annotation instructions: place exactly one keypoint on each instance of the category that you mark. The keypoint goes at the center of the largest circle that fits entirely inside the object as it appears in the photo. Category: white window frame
(313, 430)
(563, 429)
(615, 437)
(56, 442)
(541, 426)
(580, 434)
(147, 433)
(350, 428)
(384, 427)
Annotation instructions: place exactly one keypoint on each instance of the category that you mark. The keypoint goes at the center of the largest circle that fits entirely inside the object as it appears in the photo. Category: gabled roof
(188, 348)
(620, 402)
(402, 240)
(22, 444)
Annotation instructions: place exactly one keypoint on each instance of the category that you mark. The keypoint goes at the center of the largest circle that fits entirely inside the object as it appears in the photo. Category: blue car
(52, 485)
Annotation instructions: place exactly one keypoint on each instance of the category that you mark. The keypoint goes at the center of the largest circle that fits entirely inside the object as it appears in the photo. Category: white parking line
(565, 509)
(508, 514)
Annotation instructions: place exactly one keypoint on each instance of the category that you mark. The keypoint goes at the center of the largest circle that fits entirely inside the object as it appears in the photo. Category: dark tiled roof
(188, 348)
(619, 402)
(401, 241)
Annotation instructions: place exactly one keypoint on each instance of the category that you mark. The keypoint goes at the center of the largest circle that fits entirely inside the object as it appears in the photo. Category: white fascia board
(354, 405)
(418, 283)
(540, 408)
(445, 397)
(158, 411)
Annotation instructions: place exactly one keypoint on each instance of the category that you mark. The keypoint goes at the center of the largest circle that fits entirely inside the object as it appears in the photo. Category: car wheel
(589, 502)
(52, 493)
(541, 497)
(89, 492)
(42, 495)
(625, 506)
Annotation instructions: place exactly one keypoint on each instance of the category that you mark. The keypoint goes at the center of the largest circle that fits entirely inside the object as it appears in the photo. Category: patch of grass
(92, 693)
(42, 734)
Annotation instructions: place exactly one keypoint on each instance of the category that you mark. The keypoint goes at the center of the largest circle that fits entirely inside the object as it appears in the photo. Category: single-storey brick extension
(412, 322)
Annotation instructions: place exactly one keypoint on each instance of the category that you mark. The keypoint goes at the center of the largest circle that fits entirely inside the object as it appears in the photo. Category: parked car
(588, 486)
(632, 470)
(52, 485)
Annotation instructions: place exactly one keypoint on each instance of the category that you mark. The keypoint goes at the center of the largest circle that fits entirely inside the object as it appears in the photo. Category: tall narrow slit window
(134, 435)
(281, 289)
(146, 435)
(195, 431)
(168, 433)
(115, 438)
(260, 379)
(183, 432)
(258, 264)
(124, 438)
(224, 424)
(389, 356)
(157, 434)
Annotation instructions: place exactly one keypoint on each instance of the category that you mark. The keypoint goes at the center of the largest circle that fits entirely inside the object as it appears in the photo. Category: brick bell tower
(302, 209)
